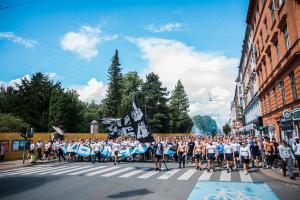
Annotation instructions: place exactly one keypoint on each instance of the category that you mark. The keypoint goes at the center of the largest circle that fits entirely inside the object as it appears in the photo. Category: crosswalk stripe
(205, 176)
(42, 170)
(17, 169)
(187, 175)
(118, 172)
(101, 171)
(86, 170)
(71, 170)
(148, 174)
(22, 171)
(225, 176)
(129, 174)
(57, 170)
(169, 174)
(245, 178)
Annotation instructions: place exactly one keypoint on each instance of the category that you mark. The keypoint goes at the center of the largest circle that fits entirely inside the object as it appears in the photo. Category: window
(275, 96)
(240, 89)
(269, 101)
(293, 84)
(272, 10)
(266, 25)
(264, 105)
(277, 51)
(281, 83)
(241, 101)
(286, 38)
(280, 3)
(270, 59)
(265, 66)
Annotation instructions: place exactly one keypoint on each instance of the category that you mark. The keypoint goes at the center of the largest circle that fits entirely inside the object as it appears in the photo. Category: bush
(11, 123)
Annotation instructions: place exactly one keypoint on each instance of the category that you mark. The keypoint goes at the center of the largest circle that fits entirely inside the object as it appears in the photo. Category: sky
(196, 41)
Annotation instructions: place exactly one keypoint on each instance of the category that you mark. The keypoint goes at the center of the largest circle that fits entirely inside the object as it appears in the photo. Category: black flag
(133, 125)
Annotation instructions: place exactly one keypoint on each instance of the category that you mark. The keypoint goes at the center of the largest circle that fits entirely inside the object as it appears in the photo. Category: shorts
(116, 153)
(245, 160)
(211, 156)
(199, 156)
(47, 152)
(228, 157)
(190, 153)
(158, 157)
(236, 154)
(221, 156)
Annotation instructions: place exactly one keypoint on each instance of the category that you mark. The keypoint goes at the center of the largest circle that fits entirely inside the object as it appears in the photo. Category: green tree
(11, 123)
(155, 104)
(179, 108)
(205, 124)
(226, 129)
(114, 91)
(34, 100)
(91, 112)
(132, 83)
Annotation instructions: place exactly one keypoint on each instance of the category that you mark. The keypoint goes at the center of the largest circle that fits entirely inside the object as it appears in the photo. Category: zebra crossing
(123, 172)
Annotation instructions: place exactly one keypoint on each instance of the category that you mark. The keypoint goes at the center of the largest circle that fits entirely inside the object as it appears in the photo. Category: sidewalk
(19, 163)
(276, 174)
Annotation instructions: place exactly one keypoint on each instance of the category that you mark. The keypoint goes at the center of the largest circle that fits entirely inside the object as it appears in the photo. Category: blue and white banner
(84, 150)
(126, 152)
(107, 151)
(139, 149)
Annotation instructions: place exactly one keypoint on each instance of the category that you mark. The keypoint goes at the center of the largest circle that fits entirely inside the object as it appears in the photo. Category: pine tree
(179, 106)
(114, 91)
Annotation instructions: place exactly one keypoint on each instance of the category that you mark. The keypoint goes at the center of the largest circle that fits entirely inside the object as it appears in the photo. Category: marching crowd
(226, 152)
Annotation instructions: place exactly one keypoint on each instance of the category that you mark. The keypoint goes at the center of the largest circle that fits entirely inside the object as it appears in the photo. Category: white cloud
(201, 73)
(19, 40)
(14, 82)
(94, 90)
(84, 43)
(164, 27)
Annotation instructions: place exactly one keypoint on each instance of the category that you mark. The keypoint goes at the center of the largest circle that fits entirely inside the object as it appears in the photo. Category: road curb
(276, 175)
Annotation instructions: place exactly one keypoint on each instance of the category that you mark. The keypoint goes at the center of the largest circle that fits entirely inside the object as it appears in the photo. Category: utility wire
(17, 4)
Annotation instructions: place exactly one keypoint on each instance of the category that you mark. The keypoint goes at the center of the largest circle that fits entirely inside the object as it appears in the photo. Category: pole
(261, 149)
(24, 149)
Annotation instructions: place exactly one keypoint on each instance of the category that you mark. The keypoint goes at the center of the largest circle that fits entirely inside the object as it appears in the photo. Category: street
(137, 181)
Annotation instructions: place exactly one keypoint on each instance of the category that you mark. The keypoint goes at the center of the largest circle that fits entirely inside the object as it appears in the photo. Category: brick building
(275, 25)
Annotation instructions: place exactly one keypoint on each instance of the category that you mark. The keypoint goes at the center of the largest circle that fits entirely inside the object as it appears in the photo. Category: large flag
(133, 125)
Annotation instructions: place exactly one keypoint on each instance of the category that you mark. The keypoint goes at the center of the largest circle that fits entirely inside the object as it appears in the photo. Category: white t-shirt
(211, 148)
(116, 147)
(228, 148)
(31, 147)
(158, 150)
(235, 147)
(245, 151)
(296, 148)
(39, 145)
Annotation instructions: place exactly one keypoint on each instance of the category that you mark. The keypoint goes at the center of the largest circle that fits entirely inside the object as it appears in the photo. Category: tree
(34, 100)
(226, 129)
(155, 104)
(11, 123)
(114, 91)
(131, 83)
(205, 124)
(179, 108)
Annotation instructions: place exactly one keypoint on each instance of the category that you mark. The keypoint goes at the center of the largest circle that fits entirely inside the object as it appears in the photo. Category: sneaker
(211, 170)
(156, 169)
(293, 178)
(227, 170)
(273, 168)
(246, 173)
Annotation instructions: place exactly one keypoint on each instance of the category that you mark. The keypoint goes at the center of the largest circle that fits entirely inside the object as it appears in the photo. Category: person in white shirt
(236, 149)
(116, 149)
(296, 148)
(211, 155)
(245, 156)
(287, 157)
(39, 146)
(158, 149)
(47, 149)
(228, 155)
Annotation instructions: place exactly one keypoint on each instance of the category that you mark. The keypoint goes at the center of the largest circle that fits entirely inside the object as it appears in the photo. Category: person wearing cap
(296, 148)
(287, 157)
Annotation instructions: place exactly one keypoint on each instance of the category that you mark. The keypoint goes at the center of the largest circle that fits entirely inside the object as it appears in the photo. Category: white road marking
(245, 178)
(118, 172)
(169, 174)
(42, 170)
(57, 170)
(225, 176)
(205, 176)
(87, 170)
(187, 175)
(148, 174)
(23, 171)
(71, 170)
(101, 171)
(133, 173)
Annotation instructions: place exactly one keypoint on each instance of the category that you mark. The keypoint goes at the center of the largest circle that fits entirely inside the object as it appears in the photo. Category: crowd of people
(205, 152)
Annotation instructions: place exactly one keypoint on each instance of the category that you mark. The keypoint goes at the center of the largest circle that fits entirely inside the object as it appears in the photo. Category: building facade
(275, 29)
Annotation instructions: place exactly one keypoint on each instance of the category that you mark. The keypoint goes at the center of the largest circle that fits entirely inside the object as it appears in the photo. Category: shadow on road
(14, 185)
(130, 193)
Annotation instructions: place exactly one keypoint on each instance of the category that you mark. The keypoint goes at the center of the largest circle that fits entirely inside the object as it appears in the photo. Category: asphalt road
(99, 181)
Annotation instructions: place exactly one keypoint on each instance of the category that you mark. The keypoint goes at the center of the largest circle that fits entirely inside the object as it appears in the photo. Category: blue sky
(74, 42)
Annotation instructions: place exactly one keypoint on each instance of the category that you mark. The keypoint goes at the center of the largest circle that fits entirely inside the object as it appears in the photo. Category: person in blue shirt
(220, 148)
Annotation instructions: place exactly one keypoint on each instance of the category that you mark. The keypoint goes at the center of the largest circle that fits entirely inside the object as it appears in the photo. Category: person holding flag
(158, 154)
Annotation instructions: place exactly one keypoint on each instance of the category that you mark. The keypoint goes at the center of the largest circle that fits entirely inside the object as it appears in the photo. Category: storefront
(296, 118)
